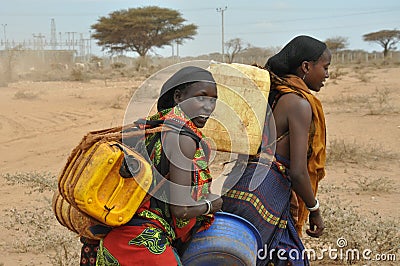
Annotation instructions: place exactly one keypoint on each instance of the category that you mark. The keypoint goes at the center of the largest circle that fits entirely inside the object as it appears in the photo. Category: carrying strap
(182, 129)
(273, 99)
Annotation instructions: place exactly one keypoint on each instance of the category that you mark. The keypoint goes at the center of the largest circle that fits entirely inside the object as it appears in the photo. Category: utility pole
(38, 41)
(87, 49)
(82, 46)
(5, 36)
(53, 37)
(60, 43)
(73, 40)
(90, 43)
(222, 10)
(69, 40)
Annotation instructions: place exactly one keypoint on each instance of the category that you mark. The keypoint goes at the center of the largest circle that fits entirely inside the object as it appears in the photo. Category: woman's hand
(216, 202)
(316, 224)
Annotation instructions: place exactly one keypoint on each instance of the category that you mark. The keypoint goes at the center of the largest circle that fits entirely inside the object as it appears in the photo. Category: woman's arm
(299, 118)
(180, 150)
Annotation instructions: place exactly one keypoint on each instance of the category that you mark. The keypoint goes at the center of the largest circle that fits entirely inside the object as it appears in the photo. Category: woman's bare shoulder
(175, 143)
(292, 101)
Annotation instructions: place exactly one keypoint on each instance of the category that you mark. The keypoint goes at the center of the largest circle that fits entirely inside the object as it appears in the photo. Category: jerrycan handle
(130, 166)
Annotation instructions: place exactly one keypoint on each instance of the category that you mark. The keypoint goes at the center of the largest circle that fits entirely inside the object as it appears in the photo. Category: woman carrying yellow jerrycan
(160, 229)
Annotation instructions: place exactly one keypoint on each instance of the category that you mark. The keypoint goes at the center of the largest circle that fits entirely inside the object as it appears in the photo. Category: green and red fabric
(154, 234)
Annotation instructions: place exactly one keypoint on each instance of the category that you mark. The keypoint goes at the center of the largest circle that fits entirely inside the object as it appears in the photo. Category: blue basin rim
(250, 225)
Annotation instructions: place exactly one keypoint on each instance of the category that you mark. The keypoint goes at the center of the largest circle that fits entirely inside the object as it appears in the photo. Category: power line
(334, 16)
(286, 29)
(308, 18)
(303, 29)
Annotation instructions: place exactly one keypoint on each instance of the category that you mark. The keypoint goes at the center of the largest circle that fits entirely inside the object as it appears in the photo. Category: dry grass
(370, 184)
(362, 73)
(37, 181)
(336, 72)
(340, 150)
(378, 103)
(121, 101)
(37, 229)
(114, 71)
(381, 236)
(382, 103)
(40, 232)
(78, 75)
(42, 235)
(27, 95)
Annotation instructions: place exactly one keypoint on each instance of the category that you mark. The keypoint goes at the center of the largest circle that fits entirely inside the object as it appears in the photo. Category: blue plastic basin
(231, 240)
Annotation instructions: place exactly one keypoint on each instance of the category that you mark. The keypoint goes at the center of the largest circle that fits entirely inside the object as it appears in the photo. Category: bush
(118, 65)
(77, 75)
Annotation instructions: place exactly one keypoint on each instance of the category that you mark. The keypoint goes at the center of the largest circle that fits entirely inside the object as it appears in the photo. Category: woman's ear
(177, 96)
(305, 66)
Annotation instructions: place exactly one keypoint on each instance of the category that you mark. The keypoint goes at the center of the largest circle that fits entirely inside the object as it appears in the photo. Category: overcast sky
(260, 23)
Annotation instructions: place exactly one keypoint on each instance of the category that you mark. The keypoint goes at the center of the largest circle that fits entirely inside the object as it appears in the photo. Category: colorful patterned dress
(154, 236)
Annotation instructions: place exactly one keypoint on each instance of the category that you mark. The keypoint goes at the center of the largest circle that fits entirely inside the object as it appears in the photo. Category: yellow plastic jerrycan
(93, 184)
(237, 123)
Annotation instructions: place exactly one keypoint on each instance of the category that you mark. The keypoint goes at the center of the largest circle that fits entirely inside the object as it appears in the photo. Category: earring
(304, 76)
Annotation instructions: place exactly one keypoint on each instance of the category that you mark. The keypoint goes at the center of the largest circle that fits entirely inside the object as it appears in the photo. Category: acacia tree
(140, 29)
(235, 46)
(336, 43)
(388, 39)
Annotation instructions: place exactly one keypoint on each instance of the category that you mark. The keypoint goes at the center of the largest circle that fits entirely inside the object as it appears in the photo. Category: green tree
(140, 29)
(388, 39)
(337, 43)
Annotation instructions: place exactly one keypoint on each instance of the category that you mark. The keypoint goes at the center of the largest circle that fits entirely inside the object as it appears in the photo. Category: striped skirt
(267, 207)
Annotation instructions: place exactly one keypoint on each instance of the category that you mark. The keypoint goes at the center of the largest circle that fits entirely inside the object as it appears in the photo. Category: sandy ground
(40, 122)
